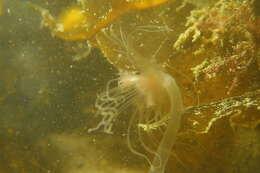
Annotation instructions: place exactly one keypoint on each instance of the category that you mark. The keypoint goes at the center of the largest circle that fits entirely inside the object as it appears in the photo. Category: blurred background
(47, 90)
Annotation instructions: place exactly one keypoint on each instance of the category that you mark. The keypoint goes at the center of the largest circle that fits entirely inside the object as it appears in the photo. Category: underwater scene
(129, 86)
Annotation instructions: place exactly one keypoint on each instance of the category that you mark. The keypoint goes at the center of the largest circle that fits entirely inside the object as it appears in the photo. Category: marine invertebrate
(153, 95)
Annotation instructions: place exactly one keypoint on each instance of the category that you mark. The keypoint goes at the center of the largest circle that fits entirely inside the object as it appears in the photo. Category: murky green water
(48, 88)
(46, 99)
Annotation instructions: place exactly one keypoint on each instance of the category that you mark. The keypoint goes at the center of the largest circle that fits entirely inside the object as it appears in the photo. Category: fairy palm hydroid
(152, 93)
